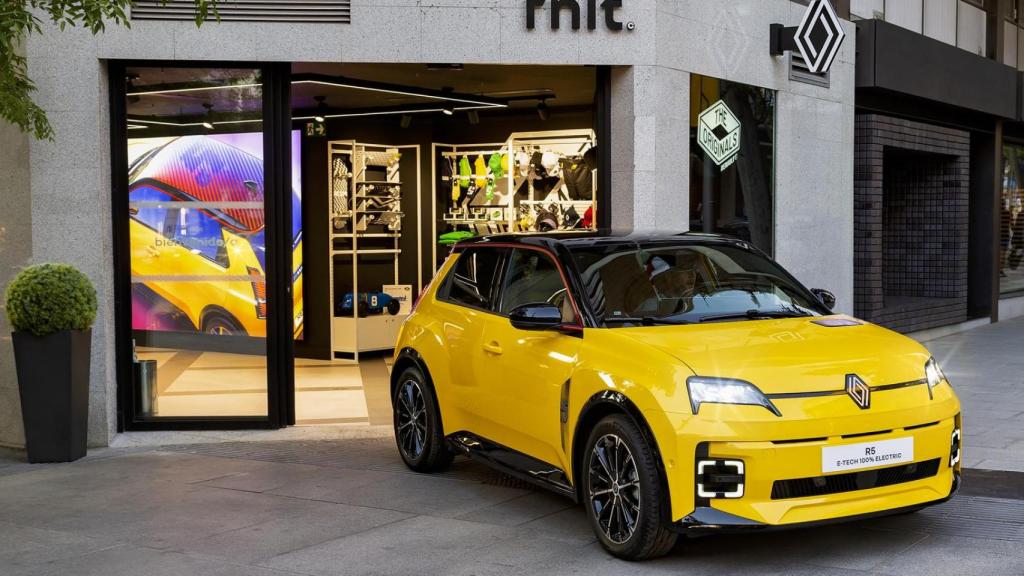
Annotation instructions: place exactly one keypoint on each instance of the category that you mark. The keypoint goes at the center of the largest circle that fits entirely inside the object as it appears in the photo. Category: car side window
(471, 282)
(534, 278)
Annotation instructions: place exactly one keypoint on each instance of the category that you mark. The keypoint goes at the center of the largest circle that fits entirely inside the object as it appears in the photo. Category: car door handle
(493, 348)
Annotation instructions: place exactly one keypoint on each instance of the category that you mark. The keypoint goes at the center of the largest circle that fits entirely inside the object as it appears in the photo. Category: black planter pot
(53, 378)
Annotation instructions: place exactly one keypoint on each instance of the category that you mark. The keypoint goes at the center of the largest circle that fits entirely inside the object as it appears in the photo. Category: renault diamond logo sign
(718, 134)
(817, 38)
(859, 391)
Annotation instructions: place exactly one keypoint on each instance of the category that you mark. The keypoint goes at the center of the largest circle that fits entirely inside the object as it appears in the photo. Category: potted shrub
(51, 308)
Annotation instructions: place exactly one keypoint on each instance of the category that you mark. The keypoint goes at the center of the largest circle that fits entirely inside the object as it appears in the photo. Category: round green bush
(48, 298)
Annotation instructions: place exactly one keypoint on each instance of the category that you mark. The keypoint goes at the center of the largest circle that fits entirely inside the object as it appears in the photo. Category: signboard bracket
(783, 39)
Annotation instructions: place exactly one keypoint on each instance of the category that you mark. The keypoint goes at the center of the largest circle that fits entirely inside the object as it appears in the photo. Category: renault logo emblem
(859, 391)
(817, 38)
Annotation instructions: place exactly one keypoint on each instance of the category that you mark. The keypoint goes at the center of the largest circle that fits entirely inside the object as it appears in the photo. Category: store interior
(391, 164)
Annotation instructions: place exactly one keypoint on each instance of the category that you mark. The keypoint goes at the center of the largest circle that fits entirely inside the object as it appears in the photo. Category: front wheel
(417, 422)
(622, 491)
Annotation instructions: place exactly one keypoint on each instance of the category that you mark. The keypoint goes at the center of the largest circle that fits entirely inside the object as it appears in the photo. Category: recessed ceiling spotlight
(209, 112)
(321, 106)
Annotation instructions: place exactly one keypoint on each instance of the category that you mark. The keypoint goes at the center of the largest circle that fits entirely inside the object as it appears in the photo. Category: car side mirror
(827, 299)
(538, 316)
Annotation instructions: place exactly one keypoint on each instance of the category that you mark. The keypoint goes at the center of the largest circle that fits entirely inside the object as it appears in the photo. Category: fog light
(954, 448)
(720, 478)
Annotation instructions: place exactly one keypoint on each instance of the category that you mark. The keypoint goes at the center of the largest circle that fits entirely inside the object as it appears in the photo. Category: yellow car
(672, 384)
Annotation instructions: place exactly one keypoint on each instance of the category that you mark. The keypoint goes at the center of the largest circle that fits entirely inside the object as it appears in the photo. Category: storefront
(934, 224)
(260, 202)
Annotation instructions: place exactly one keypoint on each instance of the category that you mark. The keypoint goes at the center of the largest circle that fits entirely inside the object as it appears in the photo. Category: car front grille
(851, 481)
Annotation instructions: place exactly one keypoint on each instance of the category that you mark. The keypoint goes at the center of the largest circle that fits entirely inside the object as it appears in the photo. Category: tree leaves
(19, 18)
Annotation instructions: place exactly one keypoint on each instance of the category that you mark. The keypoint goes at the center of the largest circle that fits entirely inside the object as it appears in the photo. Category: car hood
(791, 354)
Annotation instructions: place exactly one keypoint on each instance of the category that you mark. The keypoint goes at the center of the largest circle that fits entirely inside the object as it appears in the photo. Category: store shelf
(348, 235)
(370, 251)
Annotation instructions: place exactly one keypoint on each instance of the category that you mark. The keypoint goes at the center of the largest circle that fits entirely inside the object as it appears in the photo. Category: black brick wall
(911, 185)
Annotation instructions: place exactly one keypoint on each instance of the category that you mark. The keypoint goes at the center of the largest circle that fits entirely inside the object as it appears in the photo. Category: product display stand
(542, 184)
(365, 221)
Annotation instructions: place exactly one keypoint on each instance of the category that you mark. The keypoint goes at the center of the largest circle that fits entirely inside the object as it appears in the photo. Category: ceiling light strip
(195, 89)
(404, 93)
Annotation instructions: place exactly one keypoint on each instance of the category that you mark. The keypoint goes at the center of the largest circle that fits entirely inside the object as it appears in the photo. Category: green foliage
(18, 19)
(49, 298)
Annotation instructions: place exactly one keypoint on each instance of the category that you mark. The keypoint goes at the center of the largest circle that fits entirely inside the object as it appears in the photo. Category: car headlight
(726, 391)
(933, 373)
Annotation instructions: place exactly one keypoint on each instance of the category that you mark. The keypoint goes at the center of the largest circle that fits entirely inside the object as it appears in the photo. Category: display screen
(198, 235)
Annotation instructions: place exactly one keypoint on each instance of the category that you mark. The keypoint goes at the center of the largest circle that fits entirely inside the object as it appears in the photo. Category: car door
(466, 301)
(525, 371)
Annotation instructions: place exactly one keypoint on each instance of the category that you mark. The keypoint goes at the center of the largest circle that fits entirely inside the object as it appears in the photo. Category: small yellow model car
(673, 384)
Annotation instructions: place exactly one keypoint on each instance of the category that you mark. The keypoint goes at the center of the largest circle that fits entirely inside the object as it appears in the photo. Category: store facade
(937, 170)
(259, 202)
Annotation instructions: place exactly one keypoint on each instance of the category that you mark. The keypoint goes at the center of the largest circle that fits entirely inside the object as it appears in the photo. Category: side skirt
(512, 462)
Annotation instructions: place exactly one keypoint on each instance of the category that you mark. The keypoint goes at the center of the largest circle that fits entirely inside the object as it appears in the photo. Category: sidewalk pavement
(350, 507)
(986, 368)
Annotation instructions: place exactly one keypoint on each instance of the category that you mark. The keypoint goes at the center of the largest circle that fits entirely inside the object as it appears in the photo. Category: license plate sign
(867, 455)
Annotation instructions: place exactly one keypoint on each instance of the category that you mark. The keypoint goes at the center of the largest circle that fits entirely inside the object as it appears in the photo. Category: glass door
(193, 206)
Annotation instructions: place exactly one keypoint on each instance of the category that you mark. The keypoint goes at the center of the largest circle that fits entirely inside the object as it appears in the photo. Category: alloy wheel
(614, 488)
(412, 419)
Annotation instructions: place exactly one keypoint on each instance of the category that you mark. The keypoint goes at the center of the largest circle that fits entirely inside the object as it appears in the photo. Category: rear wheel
(622, 491)
(221, 324)
(417, 422)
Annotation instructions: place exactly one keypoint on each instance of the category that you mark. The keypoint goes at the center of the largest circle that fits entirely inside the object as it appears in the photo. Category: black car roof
(602, 238)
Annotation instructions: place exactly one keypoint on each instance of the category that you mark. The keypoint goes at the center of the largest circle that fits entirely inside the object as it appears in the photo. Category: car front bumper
(791, 449)
(706, 520)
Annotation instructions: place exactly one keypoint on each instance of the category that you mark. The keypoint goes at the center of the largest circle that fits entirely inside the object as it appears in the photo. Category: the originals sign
(557, 6)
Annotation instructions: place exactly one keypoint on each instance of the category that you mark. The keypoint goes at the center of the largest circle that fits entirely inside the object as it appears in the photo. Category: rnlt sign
(573, 6)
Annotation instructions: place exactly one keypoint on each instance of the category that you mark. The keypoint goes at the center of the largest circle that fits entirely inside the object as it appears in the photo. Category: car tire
(363, 309)
(221, 324)
(622, 491)
(417, 422)
(394, 307)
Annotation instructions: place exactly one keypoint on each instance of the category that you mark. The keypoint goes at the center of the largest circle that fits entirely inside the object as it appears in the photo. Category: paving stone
(521, 510)
(28, 550)
(418, 546)
(127, 560)
(306, 524)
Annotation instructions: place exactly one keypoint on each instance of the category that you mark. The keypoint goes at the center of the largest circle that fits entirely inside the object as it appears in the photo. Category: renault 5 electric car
(674, 385)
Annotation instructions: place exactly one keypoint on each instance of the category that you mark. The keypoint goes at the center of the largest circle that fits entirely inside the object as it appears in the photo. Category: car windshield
(630, 284)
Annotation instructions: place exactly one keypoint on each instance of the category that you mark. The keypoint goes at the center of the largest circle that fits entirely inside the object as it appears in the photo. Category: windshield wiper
(755, 314)
(646, 321)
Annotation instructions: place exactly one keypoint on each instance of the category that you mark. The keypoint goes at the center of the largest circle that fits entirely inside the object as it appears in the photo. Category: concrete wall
(650, 124)
(15, 253)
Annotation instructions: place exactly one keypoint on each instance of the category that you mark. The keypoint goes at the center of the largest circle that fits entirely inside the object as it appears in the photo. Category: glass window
(196, 223)
(680, 283)
(472, 280)
(732, 134)
(1011, 221)
(534, 278)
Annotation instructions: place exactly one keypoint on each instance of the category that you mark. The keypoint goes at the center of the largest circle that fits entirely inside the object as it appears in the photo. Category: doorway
(335, 188)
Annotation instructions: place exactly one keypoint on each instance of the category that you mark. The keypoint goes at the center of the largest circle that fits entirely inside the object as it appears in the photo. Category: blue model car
(368, 303)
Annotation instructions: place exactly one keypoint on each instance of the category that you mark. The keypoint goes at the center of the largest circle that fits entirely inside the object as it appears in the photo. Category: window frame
(506, 274)
(444, 292)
